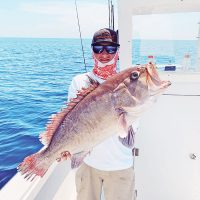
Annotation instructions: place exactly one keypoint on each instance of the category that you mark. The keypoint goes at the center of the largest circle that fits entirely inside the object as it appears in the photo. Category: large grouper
(97, 113)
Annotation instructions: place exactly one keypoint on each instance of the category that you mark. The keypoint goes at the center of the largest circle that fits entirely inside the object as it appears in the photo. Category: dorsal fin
(57, 119)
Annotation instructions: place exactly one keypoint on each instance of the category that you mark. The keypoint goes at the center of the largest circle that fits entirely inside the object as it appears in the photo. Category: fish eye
(135, 75)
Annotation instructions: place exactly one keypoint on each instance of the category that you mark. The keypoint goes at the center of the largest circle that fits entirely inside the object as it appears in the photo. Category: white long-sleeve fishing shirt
(113, 153)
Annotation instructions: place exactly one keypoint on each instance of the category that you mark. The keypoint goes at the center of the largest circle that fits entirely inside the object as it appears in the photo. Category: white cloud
(92, 16)
(50, 8)
(57, 18)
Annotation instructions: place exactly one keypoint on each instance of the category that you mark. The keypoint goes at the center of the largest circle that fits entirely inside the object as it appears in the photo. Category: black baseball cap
(105, 35)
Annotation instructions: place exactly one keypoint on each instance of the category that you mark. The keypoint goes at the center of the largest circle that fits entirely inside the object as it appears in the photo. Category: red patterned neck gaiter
(105, 70)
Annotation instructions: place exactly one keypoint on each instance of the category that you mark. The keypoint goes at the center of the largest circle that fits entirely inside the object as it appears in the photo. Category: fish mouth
(152, 75)
(160, 89)
(155, 84)
(166, 84)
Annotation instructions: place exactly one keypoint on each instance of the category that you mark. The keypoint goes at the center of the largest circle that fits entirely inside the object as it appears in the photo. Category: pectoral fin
(122, 122)
(122, 101)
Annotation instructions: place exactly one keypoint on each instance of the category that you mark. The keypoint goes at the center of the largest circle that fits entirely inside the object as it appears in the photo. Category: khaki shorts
(117, 185)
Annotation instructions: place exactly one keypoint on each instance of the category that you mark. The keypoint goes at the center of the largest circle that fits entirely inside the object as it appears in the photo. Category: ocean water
(34, 78)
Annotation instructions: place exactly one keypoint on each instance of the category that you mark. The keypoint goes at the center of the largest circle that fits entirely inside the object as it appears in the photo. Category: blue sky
(57, 19)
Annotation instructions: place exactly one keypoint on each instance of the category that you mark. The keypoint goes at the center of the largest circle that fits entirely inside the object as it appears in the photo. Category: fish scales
(84, 125)
(89, 117)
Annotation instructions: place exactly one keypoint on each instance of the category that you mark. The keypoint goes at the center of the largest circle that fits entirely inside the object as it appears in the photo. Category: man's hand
(64, 156)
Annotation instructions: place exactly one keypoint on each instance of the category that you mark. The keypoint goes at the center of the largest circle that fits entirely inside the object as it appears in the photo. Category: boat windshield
(172, 41)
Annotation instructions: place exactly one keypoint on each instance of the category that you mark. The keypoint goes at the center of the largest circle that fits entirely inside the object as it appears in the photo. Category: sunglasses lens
(98, 49)
(111, 49)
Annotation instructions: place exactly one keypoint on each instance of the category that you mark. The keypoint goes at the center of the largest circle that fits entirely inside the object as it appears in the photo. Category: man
(109, 165)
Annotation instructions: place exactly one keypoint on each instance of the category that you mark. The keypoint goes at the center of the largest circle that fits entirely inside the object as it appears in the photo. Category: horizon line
(24, 37)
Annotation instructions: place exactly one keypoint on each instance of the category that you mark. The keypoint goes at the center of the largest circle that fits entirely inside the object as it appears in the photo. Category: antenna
(80, 35)
(111, 14)
(113, 25)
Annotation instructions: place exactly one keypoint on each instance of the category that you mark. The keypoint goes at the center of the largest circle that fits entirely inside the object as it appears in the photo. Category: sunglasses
(109, 49)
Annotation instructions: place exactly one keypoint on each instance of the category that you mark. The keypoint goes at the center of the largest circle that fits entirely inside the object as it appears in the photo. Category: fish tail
(34, 165)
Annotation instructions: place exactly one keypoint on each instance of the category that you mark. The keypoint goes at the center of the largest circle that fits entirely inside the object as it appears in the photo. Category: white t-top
(111, 154)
